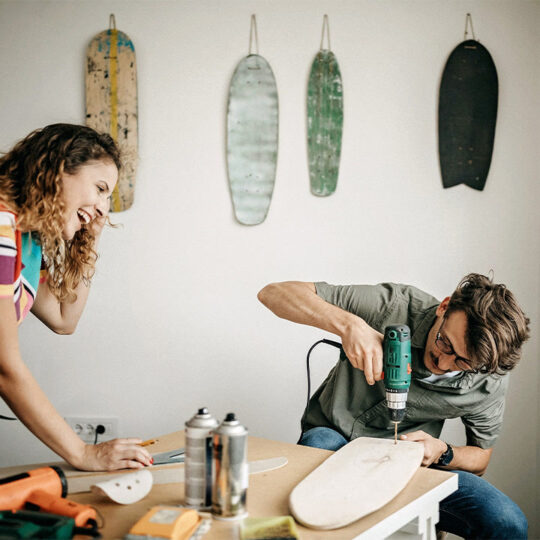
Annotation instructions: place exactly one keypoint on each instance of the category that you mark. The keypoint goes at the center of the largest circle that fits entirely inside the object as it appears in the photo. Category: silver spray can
(198, 459)
(230, 470)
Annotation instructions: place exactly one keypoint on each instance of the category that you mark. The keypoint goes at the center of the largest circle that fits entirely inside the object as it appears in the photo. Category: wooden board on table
(79, 481)
(468, 98)
(111, 104)
(268, 494)
(358, 479)
(252, 139)
(324, 123)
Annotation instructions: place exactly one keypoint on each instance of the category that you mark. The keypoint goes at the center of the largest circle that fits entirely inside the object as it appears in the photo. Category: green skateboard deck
(111, 103)
(324, 122)
(252, 138)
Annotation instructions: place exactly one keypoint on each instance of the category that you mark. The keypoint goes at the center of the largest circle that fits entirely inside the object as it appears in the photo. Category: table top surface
(267, 494)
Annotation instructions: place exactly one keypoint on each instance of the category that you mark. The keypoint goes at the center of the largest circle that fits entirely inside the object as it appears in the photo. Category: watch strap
(447, 456)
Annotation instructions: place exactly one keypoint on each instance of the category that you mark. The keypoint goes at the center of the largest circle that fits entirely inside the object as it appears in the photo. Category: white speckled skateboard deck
(252, 139)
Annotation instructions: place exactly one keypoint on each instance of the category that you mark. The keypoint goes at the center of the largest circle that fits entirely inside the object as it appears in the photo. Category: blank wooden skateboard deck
(111, 103)
(467, 115)
(356, 480)
(252, 138)
(80, 481)
(324, 123)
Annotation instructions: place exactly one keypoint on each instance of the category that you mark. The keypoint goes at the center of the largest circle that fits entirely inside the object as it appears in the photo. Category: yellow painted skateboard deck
(111, 103)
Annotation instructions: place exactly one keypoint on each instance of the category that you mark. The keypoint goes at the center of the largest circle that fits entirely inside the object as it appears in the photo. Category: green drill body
(397, 369)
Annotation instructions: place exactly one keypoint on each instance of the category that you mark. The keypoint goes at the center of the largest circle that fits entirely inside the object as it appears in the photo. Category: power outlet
(85, 427)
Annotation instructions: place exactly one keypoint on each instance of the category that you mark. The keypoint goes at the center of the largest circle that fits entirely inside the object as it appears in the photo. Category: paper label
(165, 516)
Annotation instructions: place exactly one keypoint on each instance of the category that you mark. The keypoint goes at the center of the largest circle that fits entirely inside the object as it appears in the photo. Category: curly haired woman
(55, 187)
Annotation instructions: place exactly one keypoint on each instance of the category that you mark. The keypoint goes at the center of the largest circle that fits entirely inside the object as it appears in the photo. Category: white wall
(173, 322)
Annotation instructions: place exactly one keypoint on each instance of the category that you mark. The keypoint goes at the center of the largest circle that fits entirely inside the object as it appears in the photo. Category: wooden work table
(268, 494)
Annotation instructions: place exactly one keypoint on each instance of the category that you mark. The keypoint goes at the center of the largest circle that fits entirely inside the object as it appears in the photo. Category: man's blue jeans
(475, 510)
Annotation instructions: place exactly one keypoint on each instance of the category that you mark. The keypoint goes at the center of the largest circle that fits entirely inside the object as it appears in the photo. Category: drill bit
(395, 432)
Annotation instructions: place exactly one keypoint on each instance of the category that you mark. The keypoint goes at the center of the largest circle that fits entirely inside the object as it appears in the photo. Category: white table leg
(420, 528)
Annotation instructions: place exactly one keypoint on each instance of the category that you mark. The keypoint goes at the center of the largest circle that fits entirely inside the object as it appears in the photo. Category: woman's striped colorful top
(20, 265)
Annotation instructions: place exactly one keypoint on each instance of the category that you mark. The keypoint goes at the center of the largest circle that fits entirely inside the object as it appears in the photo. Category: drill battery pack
(28, 524)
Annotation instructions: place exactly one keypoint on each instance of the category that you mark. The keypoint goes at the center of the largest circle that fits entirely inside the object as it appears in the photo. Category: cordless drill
(44, 489)
(397, 370)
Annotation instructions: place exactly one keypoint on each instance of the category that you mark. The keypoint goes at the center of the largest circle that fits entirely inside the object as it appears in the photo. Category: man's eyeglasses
(446, 347)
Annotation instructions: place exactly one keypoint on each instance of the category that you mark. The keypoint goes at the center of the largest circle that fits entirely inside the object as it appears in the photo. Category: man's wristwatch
(447, 456)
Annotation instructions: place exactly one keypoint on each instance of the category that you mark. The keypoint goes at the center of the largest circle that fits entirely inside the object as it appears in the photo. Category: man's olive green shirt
(346, 403)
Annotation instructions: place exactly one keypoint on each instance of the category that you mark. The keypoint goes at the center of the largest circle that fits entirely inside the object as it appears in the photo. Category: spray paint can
(198, 459)
(230, 470)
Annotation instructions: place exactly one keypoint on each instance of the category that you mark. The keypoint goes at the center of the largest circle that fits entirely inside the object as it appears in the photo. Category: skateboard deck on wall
(358, 479)
(324, 123)
(468, 99)
(111, 103)
(252, 138)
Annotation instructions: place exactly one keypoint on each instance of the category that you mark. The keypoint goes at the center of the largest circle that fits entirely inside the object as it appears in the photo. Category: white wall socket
(85, 427)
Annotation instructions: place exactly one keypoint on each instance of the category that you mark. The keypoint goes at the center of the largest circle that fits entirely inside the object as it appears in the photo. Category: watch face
(447, 456)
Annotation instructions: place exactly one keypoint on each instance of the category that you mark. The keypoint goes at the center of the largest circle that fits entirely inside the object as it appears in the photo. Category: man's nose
(446, 362)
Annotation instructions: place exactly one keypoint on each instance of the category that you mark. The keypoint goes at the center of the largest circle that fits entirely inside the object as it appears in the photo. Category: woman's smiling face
(86, 194)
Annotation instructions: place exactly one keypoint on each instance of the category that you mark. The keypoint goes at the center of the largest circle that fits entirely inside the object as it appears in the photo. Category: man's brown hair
(496, 325)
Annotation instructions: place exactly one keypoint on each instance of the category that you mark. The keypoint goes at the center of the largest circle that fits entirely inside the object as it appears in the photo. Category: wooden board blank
(358, 479)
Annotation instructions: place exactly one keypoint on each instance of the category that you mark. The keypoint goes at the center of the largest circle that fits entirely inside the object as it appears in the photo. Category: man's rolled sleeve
(370, 302)
(482, 427)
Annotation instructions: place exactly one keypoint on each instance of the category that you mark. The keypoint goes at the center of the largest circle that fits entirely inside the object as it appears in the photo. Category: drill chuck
(396, 401)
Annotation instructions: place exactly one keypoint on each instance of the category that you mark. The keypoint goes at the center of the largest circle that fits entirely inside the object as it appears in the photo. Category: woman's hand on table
(115, 454)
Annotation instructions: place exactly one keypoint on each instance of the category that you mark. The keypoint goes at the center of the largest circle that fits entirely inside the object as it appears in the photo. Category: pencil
(148, 442)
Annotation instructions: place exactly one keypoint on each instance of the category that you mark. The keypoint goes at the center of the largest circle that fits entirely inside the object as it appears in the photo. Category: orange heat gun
(44, 489)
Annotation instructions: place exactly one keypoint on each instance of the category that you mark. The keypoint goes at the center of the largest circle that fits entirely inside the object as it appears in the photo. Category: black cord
(100, 515)
(100, 428)
(2, 417)
(328, 342)
(91, 529)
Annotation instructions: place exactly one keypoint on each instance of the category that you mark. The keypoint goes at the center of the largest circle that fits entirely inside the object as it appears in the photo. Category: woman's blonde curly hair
(31, 187)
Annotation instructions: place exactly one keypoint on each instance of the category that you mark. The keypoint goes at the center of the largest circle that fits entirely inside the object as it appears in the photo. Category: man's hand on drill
(433, 448)
(364, 348)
